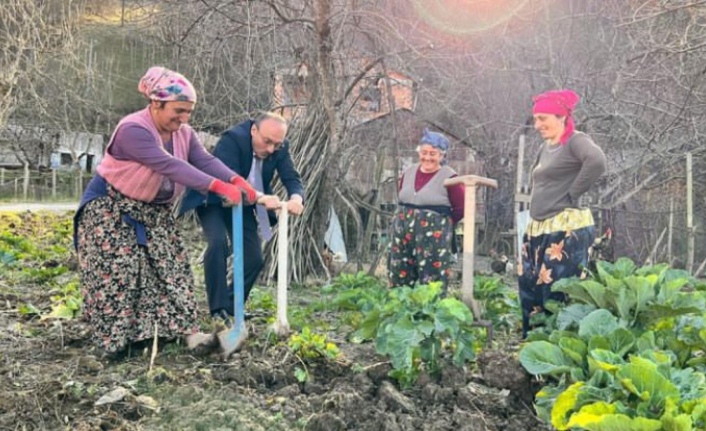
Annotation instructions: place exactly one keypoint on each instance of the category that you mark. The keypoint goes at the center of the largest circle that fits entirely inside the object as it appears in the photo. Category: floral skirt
(421, 247)
(135, 272)
(552, 249)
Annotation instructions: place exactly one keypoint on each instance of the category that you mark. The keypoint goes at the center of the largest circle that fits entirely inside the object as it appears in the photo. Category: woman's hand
(245, 187)
(232, 194)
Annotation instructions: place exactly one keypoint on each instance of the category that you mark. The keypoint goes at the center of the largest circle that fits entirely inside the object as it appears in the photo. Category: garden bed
(52, 378)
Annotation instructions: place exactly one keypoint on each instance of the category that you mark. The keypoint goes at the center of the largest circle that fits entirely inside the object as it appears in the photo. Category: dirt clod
(394, 400)
(325, 422)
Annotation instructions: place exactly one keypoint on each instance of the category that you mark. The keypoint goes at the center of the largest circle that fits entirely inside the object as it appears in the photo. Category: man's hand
(295, 205)
(270, 202)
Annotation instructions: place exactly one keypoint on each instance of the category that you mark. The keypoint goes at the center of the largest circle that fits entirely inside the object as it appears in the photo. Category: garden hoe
(469, 236)
(232, 339)
(281, 325)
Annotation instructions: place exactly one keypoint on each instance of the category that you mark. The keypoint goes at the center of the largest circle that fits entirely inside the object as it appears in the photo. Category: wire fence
(26, 185)
(650, 237)
(643, 234)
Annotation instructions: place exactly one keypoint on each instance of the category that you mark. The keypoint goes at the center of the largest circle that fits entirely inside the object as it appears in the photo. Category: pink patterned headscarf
(561, 103)
(162, 84)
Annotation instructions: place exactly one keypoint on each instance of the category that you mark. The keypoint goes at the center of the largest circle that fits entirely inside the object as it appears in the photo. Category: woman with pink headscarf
(559, 234)
(135, 273)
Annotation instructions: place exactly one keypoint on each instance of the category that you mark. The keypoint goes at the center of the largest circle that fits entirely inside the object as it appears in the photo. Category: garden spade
(232, 339)
(281, 325)
(469, 238)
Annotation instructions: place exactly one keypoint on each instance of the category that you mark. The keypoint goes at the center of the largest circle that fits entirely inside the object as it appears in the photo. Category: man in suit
(256, 146)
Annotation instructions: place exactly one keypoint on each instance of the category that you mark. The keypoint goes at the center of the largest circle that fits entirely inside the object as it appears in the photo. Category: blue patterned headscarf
(435, 139)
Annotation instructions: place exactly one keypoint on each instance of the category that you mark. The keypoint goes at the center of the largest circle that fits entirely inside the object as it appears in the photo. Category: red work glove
(245, 187)
(228, 191)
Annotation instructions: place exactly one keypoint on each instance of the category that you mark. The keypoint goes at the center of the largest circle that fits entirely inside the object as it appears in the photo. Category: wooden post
(700, 268)
(670, 233)
(520, 167)
(2, 176)
(25, 183)
(371, 226)
(653, 254)
(469, 234)
(53, 183)
(518, 191)
(689, 214)
(77, 183)
(599, 224)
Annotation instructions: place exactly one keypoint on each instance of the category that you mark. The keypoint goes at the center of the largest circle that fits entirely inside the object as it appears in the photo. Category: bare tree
(31, 32)
(638, 65)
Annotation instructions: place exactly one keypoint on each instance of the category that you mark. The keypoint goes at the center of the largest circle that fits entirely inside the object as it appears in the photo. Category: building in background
(384, 131)
(43, 148)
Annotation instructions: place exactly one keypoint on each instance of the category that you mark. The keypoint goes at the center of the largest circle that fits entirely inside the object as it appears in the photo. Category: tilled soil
(52, 378)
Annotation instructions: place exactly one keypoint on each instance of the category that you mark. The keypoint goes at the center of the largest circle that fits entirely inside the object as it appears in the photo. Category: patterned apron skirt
(552, 249)
(421, 247)
(135, 272)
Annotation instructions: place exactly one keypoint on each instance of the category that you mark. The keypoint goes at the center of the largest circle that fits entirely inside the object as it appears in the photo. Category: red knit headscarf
(561, 103)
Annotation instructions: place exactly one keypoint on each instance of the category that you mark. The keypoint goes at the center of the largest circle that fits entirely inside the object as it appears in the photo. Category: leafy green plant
(359, 280)
(42, 275)
(499, 303)
(417, 328)
(30, 250)
(20, 246)
(355, 295)
(28, 310)
(301, 374)
(67, 303)
(644, 392)
(308, 345)
(361, 298)
(625, 353)
(7, 258)
(637, 296)
(261, 300)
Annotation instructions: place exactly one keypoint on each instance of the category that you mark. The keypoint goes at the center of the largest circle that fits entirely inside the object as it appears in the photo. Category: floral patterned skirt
(421, 247)
(135, 272)
(552, 249)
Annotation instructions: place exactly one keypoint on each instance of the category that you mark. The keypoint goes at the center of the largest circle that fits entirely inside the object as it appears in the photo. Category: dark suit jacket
(235, 150)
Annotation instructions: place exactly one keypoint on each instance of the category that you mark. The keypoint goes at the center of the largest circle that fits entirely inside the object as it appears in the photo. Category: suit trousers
(217, 224)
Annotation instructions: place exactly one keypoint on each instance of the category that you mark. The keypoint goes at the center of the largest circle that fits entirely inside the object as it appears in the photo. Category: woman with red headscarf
(135, 274)
(559, 234)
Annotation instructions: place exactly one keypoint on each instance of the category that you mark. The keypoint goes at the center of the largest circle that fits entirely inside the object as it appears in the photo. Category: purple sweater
(133, 142)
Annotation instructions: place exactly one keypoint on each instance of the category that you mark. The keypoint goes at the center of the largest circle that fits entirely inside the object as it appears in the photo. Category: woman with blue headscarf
(422, 229)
